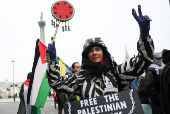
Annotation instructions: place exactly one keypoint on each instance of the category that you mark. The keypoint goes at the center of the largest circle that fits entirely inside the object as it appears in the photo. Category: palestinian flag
(28, 108)
(38, 87)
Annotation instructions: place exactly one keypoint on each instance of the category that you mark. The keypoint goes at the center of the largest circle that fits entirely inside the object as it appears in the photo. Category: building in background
(126, 54)
(6, 88)
(127, 58)
(42, 25)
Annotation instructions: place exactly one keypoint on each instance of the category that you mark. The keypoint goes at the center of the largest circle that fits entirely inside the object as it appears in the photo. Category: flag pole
(48, 54)
(55, 33)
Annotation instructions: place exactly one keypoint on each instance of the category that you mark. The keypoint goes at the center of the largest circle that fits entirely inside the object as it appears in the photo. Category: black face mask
(95, 68)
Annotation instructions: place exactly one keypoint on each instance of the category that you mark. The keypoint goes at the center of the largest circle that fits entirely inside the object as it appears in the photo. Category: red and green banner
(38, 87)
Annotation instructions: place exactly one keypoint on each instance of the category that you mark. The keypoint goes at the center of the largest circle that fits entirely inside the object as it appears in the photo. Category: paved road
(49, 108)
(12, 108)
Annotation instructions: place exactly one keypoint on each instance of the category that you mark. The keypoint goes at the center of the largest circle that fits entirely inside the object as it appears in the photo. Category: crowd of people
(98, 68)
(153, 89)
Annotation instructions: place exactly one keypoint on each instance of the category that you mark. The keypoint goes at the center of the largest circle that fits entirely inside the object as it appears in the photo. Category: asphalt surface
(12, 108)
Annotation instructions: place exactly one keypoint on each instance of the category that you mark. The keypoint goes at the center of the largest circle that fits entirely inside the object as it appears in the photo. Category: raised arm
(65, 84)
(136, 65)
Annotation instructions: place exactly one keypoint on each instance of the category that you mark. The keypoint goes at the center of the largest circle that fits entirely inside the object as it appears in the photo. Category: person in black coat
(165, 82)
(152, 78)
(22, 109)
(143, 96)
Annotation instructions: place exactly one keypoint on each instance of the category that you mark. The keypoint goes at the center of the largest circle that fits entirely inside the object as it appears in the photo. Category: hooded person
(100, 74)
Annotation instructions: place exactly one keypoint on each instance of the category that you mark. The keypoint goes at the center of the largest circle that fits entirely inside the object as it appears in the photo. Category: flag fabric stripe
(38, 77)
(38, 87)
(37, 92)
(68, 67)
(62, 62)
(42, 49)
(62, 68)
(58, 60)
(43, 92)
(36, 57)
(68, 70)
(27, 107)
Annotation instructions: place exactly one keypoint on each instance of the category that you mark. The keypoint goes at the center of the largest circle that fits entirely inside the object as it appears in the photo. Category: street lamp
(13, 79)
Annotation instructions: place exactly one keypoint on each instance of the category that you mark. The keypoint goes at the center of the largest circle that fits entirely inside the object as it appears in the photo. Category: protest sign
(125, 102)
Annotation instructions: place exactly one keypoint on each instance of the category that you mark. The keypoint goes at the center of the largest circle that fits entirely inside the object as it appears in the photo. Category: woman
(100, 74)
(143, 97)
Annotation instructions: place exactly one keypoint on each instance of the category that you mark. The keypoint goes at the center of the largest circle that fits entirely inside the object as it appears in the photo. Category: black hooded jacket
(96, 79)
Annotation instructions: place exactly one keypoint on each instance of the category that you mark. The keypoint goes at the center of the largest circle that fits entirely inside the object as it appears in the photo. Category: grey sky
(111, 20)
